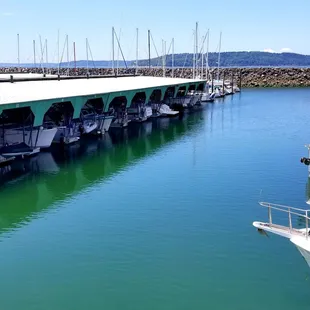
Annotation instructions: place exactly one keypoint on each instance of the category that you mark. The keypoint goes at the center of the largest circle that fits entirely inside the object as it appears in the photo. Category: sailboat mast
(34, 54)
(46, 53)
(68, 64)
(219, 58)
(202, 56)
(58, 71)
(172, 57)
(42, 54)
(194, 59)
(163, 61)
(18, 58)
(113, 50)
(149, 46)
(74, 57)
(196, 50)
(207, 58)
(118, 50)
(137, 51)
(87, 56)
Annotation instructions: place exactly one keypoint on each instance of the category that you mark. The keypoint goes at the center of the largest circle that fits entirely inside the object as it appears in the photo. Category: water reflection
(308, 190)
(32, 186)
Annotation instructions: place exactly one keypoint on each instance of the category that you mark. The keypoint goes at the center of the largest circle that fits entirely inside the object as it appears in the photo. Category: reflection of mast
(194, 151)
(211, 118)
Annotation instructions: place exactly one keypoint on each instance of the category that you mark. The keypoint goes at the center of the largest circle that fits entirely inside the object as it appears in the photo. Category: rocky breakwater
(270, 77)
(248, 77)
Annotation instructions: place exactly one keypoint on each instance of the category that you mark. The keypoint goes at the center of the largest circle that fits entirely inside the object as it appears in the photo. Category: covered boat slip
(41, 95)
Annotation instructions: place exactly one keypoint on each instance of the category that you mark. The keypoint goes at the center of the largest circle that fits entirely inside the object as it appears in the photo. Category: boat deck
(281, 230)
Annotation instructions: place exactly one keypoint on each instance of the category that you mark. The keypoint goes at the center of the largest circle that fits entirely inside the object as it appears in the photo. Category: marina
(154, 163)
(156, 215)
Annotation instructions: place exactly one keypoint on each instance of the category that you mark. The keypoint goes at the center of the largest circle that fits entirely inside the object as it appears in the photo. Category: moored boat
(18, 150)
(299, 237)
(165, 110)
(34, 137)
(5, 161)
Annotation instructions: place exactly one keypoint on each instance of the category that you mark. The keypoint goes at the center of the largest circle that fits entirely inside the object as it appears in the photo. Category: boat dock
(41, 95)
(38, 111)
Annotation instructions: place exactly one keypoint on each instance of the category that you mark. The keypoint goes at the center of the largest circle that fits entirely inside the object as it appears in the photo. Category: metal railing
(290, 211)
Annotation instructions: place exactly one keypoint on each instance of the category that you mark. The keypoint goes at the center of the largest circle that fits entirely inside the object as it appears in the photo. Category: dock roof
(30, 91)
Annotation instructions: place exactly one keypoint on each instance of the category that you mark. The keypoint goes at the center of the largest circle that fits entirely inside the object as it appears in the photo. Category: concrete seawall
(249, 77)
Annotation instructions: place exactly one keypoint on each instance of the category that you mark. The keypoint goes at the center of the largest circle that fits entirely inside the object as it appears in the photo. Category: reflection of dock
(54, 177)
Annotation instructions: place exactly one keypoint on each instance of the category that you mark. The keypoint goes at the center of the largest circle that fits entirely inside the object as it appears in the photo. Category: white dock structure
(41, 95)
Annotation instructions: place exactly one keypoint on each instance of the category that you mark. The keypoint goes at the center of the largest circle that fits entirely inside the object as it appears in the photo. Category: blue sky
(246, 25)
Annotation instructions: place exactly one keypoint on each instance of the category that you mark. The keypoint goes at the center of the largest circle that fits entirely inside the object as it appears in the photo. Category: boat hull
(40, 137)
(65, 135)
(106, 123)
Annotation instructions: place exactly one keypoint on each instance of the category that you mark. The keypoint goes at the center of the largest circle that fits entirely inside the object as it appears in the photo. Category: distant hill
(237, 59)
(228, 59)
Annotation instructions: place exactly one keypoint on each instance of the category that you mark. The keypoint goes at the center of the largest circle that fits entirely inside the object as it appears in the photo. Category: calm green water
(160, 217)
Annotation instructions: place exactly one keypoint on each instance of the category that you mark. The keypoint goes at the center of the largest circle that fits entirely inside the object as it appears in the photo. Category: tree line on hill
(227, 59)
(235, 59)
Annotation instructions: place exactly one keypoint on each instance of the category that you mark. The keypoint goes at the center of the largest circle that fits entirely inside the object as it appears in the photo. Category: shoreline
(244, 77)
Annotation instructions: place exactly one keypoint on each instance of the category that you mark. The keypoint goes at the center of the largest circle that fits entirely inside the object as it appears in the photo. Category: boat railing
(302, 213)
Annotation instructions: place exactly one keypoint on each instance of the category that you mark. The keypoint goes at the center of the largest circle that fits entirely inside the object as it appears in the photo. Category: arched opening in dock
(181, 92)
(155, 96)
(200, 87)
(139, 98)
(169, 93)
(137, 106)
(118, 103)
(191, 88)
(16, 125)
(94, 105)
(19, 116)
(59, 114)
